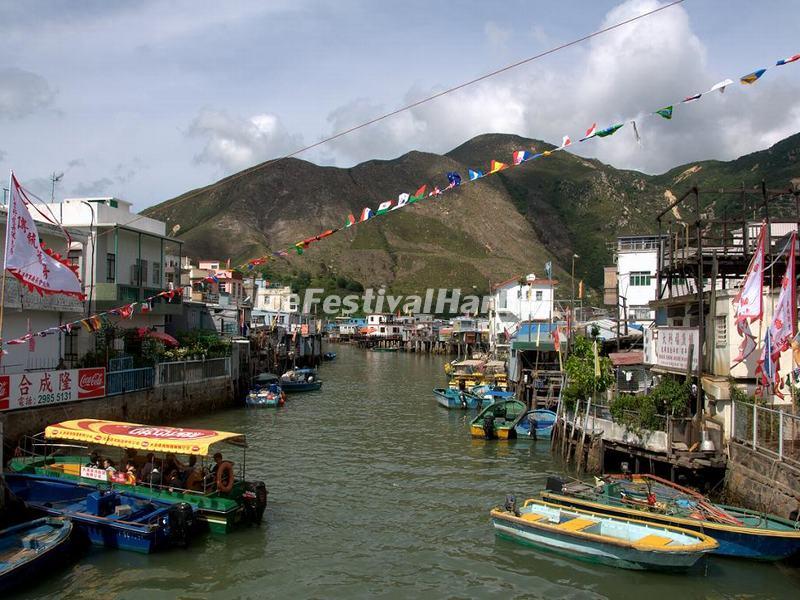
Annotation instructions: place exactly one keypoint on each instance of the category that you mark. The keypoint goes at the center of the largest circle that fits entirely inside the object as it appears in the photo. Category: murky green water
(375, 491)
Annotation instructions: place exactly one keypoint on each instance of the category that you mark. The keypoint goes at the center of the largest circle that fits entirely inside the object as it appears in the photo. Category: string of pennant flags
(95, 322)
(518, 158)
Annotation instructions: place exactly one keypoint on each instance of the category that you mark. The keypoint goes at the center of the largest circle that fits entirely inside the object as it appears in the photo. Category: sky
(144, 100)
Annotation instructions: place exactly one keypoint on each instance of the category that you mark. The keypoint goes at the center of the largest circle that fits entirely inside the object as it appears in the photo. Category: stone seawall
(760, 482)
(162, 405)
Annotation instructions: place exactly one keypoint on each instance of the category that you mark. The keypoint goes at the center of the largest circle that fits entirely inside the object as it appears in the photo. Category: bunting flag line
(521, 156)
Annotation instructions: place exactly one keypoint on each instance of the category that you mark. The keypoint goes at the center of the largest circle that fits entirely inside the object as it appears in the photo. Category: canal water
(376, 491)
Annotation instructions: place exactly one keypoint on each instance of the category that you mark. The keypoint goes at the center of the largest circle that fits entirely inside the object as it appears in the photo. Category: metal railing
(192, 370)
(768, 430)
(129, 380)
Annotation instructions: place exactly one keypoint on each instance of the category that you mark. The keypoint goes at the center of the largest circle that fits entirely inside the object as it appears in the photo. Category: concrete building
(636, 262)
(122, 260)
(522, 298)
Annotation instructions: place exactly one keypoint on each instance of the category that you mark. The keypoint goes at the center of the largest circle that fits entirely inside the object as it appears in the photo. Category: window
(139, 272)
(71, 347)
(721, 337)
(111, 267)
(503, 298)
(640, 278)
(156, 273)
(74, 258)
(539, 295)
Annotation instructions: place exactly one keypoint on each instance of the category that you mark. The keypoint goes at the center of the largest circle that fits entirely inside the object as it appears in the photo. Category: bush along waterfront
(582, 381)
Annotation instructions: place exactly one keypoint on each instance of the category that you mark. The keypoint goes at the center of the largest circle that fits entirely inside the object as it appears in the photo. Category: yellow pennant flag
(580, 289)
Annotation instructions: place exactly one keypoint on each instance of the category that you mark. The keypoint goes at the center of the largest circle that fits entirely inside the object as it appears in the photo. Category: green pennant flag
(420, 195)
(665, 112)
(608, 130)
(299, 249)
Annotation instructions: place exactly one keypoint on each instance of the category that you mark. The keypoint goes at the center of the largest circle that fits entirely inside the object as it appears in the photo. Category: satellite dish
(175, 229)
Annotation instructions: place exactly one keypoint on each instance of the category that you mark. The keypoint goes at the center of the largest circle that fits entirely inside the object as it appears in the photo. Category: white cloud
(23, 93)
(624, 74)
(233, 143)
(497, 35)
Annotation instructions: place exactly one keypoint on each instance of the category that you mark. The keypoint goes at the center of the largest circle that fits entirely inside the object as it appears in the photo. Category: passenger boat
(300, 380)
(31, 549)
(107, 517)
(601, 538)
(536, 424)
(266, 392)
(450, 398)
(218, 493)
(466, 374)
(498, 420)
(329, 356)
(741, 533)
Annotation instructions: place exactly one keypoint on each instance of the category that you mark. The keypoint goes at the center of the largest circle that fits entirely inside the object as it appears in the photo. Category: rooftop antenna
(55, 178)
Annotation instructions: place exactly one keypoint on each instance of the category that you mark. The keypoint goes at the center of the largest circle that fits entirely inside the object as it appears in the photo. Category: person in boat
(145, 475)
(108, 465)
(192, 475)
(94, 459)
(130, 472)
(215, 469)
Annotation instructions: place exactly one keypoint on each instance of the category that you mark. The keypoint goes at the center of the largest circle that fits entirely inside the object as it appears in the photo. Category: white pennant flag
(749, 302)
(27, 259)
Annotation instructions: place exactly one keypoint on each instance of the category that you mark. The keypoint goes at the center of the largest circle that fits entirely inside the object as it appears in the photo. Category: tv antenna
(55, 178)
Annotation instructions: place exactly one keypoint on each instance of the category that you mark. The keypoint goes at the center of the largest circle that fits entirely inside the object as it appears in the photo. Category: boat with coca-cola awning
(171, 464)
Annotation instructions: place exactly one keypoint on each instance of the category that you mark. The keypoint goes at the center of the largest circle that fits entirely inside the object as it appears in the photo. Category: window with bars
(71, 347)
(640, 278)
(111, 267)
(721, 332)
(156, 273)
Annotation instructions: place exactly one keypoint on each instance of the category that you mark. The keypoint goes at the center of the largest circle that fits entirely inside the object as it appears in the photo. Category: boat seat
(576, 524)
(654, 541)
(532, 517)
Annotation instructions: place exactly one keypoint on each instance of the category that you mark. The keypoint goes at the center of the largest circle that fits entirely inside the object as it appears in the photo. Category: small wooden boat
(450, 398)
(329, 356)
(596, 537)
(300, 380)
(107, 517)
(740, 533)
(266, 392)
(380, 349)
(29, 550)
(536, 424)
(498, 420)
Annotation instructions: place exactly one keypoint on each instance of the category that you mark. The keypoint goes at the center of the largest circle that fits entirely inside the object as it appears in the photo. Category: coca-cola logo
(90, 381)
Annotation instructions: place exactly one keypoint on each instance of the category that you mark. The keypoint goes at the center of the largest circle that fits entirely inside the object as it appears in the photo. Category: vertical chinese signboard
(42, 388)
(672, 348)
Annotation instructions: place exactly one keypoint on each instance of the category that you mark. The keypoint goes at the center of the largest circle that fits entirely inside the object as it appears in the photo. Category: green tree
(582, 383)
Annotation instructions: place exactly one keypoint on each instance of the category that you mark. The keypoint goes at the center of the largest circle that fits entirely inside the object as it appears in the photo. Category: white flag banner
(27, 259)
(784, 320)
(749, 300)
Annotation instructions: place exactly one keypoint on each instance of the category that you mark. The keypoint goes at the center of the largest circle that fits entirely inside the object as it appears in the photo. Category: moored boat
(498, 420)
(265, 392)
(329, 356)
(536, 424)
(29, 549)
(107, 517)
(300, 380)
(740, 533)
(596, 537)
(220, 496)
(450, 398)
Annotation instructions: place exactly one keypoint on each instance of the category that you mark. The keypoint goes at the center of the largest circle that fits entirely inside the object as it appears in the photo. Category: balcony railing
(129, 380)
(192, 370)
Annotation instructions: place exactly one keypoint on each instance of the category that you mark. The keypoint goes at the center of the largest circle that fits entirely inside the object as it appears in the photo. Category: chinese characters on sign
(25, 390)
(672, 348)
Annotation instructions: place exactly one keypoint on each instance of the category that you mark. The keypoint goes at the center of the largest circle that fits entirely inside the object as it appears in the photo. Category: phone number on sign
(43, 399)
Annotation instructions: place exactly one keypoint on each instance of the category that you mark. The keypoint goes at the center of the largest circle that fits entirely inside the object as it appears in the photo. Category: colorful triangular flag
(665, 112)
(786, 61)
(496, 166)
(609, 130)
(473, 175)
(751, 78)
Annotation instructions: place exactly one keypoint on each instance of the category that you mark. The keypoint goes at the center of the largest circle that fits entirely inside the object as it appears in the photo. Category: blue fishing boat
(740, 533)
(30, 549)
(600, 538)
(536, 424)
(265, 392)
(300, 380)
(452, 398)
(107, 517)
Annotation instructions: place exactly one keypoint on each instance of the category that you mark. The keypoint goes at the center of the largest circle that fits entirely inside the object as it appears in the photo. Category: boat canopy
(149, 438)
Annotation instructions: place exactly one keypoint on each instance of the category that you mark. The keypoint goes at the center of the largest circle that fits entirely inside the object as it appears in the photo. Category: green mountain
(485, 231)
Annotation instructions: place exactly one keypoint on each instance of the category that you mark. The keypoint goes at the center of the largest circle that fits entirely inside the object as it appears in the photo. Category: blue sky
(145, 100)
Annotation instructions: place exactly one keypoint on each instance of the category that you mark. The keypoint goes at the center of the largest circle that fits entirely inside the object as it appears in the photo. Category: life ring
(225, 466)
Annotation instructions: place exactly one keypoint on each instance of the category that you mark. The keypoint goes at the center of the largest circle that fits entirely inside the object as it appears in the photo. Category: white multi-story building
(522, 298)
(25, 311)
(636, 267)
(275, 299)
(122, 261)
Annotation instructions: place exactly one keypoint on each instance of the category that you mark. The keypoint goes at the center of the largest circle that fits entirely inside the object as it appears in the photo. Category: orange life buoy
(225, 473)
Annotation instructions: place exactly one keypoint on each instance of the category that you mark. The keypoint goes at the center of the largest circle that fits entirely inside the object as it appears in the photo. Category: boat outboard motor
(554, 484)
(532, 422)
(254, 500)
(511, 505)
(488, 426)
(181, 523)
(463, 400)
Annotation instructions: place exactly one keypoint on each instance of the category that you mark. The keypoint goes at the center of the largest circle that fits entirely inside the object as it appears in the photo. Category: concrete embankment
(161, 405)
